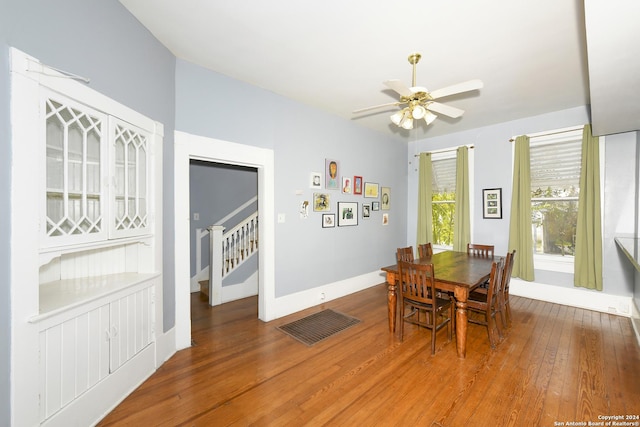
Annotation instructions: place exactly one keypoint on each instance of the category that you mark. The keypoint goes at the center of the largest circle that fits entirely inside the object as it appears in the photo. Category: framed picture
(321, 202)
(357, 185)
(375, 206)
(315, 180)
(347, 214)
(346, 184)
(331, 172)
(385, 197)
(371, 190)
(328, 220)
(366, 211)
(385, 219)
(492, 203)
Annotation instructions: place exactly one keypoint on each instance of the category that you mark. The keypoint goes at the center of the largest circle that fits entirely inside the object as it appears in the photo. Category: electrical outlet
(196, 216)
(281, 218)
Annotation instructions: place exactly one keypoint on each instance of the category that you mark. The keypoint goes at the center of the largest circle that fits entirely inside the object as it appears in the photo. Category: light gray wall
(216, 190)
(493, 169)
(102, 41)
(307, 256)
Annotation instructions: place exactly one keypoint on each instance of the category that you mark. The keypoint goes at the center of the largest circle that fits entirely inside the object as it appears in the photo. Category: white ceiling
(335, 54)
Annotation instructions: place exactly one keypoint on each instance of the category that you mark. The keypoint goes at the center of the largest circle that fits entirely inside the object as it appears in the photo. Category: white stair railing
(239, 243)
(228, 250)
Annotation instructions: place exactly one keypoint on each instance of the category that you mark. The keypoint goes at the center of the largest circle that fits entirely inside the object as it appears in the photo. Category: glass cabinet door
(74, 206)
(130, 193)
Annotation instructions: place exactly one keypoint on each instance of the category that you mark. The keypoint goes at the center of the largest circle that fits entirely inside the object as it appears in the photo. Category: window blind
(444, 175)
(556, 165)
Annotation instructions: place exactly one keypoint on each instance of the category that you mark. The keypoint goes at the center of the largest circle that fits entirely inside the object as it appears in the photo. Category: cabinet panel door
(73, 358)
(131, 326)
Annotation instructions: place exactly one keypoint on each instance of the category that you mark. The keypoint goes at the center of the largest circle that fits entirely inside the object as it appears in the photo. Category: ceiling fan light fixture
(418, 111)
(407, 122)
(429, 117)
(396, 118)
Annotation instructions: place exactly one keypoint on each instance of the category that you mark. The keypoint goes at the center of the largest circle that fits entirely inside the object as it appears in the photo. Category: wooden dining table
(456, 272)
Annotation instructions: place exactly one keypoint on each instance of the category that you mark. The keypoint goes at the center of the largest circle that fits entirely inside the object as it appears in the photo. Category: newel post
(215, 264)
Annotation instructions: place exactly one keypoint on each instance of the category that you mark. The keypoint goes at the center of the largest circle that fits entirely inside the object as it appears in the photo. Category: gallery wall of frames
(344, 199)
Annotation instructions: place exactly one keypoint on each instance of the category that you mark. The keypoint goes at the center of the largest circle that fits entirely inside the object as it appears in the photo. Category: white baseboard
(293, 303)
(574, 297)
(165, 346)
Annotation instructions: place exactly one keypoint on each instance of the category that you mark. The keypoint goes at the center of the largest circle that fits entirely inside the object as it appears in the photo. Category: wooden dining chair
(405, 254)
(425, 250)
(480, 250)
(418, 289)
(506, 279)
(484, 251)
(488, 306)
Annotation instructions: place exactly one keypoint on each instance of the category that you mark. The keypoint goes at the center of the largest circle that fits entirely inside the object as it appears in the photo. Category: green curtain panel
(462, 216)
(588, 256)
(425, 215)
(520, 226)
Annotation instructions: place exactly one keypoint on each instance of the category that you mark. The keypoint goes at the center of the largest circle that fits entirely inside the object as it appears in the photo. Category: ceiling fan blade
(457, 88)
(362, 110)
(398, 86)
(445, 109)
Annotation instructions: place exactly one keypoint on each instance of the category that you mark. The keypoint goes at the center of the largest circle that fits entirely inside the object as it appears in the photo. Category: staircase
(228, 250)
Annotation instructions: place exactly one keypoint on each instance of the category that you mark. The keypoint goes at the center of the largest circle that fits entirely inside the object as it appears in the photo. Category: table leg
(392, 301)
(461, 322)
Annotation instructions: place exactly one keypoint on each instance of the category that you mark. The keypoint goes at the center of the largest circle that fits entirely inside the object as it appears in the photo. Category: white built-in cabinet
(86, 247)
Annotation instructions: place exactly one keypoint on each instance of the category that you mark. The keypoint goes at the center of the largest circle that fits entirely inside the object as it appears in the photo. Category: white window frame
(559, 263)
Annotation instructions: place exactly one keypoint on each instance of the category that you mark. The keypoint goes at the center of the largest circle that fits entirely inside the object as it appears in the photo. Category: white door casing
(186, 148)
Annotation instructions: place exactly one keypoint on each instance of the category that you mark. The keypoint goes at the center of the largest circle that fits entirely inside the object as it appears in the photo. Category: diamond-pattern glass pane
(131, 179)
(73, 139)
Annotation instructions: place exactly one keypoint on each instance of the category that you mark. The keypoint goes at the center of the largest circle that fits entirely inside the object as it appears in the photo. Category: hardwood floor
(557, 364)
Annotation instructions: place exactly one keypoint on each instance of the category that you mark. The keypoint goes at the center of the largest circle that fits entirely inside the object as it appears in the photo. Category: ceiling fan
(420, 102)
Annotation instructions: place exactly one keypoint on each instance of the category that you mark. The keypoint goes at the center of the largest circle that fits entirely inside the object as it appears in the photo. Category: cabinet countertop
(62, 295)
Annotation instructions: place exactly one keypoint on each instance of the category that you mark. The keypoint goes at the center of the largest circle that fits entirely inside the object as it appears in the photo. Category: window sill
(557, 263)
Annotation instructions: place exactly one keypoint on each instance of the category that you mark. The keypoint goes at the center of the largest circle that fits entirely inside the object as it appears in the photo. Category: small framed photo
(332, 174)
(347, 214)
(492, 203)
(321, 202)
(371, 190)
(315, 180)
(357, 185)
(346, 184)
(328, 220)
(385, 197)
(375, 206)
(366, 211)
(385, 219)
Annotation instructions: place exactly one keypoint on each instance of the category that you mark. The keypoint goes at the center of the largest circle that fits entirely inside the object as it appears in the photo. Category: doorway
(192, 147)
(226, 196)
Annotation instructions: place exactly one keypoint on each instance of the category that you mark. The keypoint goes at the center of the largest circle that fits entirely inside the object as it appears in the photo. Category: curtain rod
(444, 150)
(565, 130)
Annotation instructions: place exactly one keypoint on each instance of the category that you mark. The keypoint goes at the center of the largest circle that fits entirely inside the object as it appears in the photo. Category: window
(555, 188)
(443, 197)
